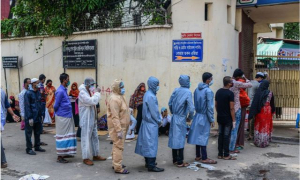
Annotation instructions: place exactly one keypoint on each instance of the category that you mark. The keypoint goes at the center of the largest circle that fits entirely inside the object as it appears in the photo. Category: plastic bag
(34, 177)
(47, 119)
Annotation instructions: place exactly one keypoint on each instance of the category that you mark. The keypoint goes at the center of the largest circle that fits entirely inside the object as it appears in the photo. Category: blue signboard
(187, 50)
(244, 3)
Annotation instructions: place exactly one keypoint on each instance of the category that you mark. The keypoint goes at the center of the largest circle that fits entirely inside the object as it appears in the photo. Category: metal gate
(283, 83)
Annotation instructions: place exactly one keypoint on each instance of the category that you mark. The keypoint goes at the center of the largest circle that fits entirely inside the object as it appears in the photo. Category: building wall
(133, 55)
(246, 46)
(5, 8)
(276, 31)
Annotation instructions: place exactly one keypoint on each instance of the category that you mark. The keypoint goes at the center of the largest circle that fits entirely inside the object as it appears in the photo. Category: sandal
(220, 157)
(235, 151)
(43, 144)
(68, 156)
(209, 161)
(175, 163)
(239, 148)
(62, 160)
(229, 158)
(123, 166)
(123, 172)
(198, 159)
(183, 165)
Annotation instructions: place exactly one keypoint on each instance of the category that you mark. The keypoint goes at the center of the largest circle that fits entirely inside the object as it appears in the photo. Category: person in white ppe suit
(88, 98)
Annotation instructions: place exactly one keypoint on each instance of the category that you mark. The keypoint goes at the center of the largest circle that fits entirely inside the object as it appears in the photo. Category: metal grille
(284, 82)
(123, 17)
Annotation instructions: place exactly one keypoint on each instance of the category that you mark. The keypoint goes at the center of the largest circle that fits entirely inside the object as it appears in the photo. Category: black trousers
(201, 152)
(43, 104)
(224, 139)
(178, 156)
(163, 130)
(139, 118)
(78, 134)
(3, 158)
(150, 162)
(75, 116)
(36, 128)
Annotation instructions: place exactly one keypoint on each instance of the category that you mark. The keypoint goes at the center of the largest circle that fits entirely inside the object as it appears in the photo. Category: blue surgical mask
(68, 84)
(92, 88)
(157, 88)
(30, 87)
(123, 91)
(211, 83)
(190, 84)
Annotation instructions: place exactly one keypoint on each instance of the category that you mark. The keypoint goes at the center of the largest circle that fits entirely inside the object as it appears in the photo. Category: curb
(285, 139)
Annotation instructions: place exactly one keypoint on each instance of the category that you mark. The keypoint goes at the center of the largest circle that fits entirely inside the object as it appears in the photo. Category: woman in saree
(74, 92)
(50, 98)
(262, 108)
(136, 103)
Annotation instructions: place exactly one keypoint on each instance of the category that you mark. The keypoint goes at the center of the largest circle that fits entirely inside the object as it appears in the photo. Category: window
(228, 14)
(137, 19)
(208, 11)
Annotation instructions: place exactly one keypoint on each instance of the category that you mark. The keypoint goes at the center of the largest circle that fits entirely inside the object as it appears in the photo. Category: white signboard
(246, 2)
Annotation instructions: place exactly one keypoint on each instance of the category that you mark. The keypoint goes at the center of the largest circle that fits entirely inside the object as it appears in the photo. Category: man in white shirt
(133, 121)
(166, 120)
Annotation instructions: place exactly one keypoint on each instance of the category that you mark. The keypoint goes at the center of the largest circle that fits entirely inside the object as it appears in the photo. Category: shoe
(4, 165)
(88, 162)
(98, 158)
(156, 169)
(40, 149)
(31, 152)
(146, 166)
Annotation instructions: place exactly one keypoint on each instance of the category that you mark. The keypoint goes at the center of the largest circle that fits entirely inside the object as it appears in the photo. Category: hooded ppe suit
(118, 119)
(180, 105)
(200, 129)
(204, 104)
(147, 141)
(88, 122)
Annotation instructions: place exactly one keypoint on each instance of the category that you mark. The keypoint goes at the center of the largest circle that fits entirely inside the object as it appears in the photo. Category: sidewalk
(283, 132)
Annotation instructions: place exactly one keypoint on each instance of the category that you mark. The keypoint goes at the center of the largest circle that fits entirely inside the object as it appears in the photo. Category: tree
(60, 17)
(63, 17)
(291, 31)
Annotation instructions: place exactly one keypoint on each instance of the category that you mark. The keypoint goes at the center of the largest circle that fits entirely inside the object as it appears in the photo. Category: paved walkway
(278, 161)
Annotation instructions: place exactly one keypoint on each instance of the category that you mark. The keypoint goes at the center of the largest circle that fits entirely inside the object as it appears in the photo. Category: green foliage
(154, 8)
(291, 31)
(55, 17)
(63, 17)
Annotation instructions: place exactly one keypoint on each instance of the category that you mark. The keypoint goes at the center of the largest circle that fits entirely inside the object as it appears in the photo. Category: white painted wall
(134, 55)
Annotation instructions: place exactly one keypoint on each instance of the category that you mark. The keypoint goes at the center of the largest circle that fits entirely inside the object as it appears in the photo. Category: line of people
(121, 123)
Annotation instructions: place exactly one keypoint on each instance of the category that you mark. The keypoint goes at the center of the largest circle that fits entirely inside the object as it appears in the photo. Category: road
(278, 161)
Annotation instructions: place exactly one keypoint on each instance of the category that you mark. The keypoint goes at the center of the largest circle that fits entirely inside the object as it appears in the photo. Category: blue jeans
(235, 130)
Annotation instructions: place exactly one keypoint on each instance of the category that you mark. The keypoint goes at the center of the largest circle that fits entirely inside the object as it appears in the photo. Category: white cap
(34, 80)
(260, 73)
